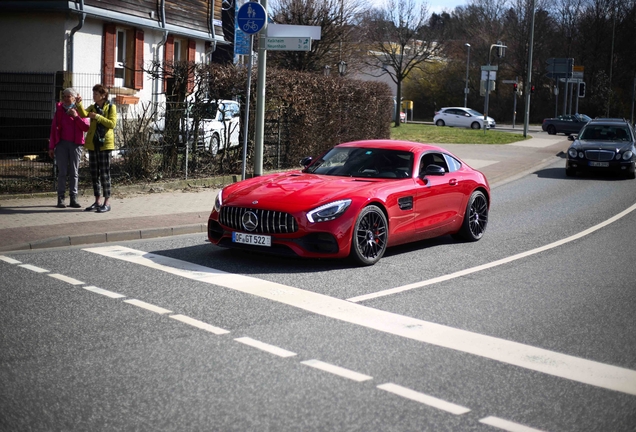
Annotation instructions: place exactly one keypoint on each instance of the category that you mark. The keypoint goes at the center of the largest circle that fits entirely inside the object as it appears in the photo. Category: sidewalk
(35, 222)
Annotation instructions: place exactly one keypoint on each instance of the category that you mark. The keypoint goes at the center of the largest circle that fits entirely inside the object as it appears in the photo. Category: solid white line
(507, 425)
(536, 359)
(33, 268)
(104, 292)
(265, 347)
(337, 370)
(491, 264)
(66, 279)
(199, 324)
(424, 398)
(9, 260)
(147, 306)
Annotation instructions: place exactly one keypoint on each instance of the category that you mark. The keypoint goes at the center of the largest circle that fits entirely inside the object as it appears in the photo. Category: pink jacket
(65, 127)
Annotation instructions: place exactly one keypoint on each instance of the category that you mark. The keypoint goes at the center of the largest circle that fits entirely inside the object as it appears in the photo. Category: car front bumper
(593, 166)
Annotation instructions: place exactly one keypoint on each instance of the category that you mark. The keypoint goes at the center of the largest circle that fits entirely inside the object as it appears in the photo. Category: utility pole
(529, 76)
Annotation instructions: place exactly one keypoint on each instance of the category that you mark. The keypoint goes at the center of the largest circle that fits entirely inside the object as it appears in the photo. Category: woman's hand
(72, 112)
(92, 115)
(51, 153)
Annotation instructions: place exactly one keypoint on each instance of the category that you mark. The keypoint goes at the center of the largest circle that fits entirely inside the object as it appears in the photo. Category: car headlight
(329, 211)
(572, 153)
(218, 201)
(627, 155)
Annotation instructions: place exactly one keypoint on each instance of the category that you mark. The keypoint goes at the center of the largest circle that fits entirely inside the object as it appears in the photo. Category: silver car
(462, 117)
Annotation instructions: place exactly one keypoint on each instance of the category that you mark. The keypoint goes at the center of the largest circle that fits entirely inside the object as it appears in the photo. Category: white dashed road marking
(66, 279)
(265, 347)
(104, 292)
(337, 370)
(507, 425)
(514, 353)
(424, 398)
(9, 260)
(199, 324)
(33, 268)
(147, 306)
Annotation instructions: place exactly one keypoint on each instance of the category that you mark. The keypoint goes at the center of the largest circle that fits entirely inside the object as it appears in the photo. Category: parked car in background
(214, 124)
(566, 124)
(603, 145)
(354, 201)
(462, 117)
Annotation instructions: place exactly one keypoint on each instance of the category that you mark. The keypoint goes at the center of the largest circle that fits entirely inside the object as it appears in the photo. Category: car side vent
(267, 221)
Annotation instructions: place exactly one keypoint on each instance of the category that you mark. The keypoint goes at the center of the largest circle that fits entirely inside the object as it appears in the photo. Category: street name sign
(288, 43)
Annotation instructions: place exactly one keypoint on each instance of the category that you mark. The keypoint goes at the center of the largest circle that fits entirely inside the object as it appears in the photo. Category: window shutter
(168, 51)
(192, 49)
(108, 63)
(138, 75)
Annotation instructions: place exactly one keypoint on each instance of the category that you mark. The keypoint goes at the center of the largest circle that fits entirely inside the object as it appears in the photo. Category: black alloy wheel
(551, 130)
(370, 236)
(475, 218)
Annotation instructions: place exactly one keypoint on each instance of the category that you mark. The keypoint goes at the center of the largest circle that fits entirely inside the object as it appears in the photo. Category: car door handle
(453, 182)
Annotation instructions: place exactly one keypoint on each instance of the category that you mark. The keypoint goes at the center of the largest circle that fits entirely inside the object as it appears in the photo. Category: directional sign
(251, 17)
(288, 44)
(560, 67)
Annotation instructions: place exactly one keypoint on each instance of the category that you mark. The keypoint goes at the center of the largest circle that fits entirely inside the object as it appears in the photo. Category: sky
(438, 6)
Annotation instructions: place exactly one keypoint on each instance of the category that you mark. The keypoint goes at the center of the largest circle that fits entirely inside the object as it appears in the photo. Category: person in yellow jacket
(100, 142)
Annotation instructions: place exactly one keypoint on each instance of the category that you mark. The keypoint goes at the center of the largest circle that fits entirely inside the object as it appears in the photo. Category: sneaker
(103, 208)
(60, 202)
(92, 207)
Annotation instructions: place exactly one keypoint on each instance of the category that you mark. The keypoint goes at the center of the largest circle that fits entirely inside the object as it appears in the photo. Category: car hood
(296, 191)
(601, 145)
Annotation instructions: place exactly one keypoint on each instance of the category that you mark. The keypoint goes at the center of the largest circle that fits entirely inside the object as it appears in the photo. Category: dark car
(567, 124)
(603, 144)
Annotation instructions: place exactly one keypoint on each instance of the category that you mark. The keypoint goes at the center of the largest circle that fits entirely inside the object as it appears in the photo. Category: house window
(123, 59)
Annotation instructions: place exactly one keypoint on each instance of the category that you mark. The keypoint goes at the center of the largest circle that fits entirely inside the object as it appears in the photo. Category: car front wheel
(214, 144)
(475, 125)
(475, 218)
(439, 123)
(552, 130)
(370, 236)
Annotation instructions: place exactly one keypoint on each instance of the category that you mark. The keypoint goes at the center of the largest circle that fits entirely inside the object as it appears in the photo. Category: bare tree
(399, 40)
(334, 18)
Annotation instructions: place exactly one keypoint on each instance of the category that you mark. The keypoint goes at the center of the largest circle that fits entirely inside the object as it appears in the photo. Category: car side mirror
(434, 170)
(572, 137)
(306, 161)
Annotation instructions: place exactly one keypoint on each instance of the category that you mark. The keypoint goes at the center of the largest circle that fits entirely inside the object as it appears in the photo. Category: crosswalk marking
(509, 352)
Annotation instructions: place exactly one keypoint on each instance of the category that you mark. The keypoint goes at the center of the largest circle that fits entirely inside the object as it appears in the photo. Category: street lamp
(466, 88)
(342, 67)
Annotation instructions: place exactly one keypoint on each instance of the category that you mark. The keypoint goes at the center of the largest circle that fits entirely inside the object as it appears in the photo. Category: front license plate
(251, 239)
(599, 164)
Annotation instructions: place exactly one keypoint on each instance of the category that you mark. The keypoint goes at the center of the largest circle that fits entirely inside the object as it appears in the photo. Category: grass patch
(450, 135)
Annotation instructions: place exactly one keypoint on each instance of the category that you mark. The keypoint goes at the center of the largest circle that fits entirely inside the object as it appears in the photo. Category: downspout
(213, 31)
(155, 55)
(70, 48)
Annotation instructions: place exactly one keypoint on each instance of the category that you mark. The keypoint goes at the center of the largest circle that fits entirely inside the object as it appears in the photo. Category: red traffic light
(515, 87)
(531, 89)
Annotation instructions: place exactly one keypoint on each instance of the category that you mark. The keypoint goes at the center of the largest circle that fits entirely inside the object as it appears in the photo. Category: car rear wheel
(475, 218)
(370, 236)
(214, 144)
(475, 125)
(551, 130)
(439, 123)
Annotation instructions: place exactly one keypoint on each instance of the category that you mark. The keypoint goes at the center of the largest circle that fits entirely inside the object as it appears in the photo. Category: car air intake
(599, 155)
(267, 221)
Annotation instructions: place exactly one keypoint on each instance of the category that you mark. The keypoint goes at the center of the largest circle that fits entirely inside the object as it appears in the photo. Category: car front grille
(599, 155)
(269, 222)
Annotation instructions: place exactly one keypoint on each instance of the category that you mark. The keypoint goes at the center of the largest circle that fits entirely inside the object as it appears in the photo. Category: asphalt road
(533, 326)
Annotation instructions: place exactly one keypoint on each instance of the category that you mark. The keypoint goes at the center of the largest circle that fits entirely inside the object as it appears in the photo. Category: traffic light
(581, 89)
(531, 89)
(515, 87)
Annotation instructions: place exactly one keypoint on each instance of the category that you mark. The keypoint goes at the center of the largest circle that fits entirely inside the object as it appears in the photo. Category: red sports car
(355, 200)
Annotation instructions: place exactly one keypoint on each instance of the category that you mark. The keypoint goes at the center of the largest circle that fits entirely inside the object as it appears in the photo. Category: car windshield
(605, 133)
(205, 111)
(364, 162)
(584, 118)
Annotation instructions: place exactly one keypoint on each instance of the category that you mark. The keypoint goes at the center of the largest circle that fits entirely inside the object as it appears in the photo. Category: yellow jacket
(109, 120)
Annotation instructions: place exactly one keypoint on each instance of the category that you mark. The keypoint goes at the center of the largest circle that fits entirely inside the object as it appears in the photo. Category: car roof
(393, 145)
(609, 119)
(462, 108)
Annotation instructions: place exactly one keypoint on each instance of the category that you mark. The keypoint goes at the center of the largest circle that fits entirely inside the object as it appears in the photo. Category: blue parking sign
(251, 17)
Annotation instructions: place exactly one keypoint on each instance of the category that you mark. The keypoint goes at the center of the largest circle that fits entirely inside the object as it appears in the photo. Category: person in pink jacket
(65, 145)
